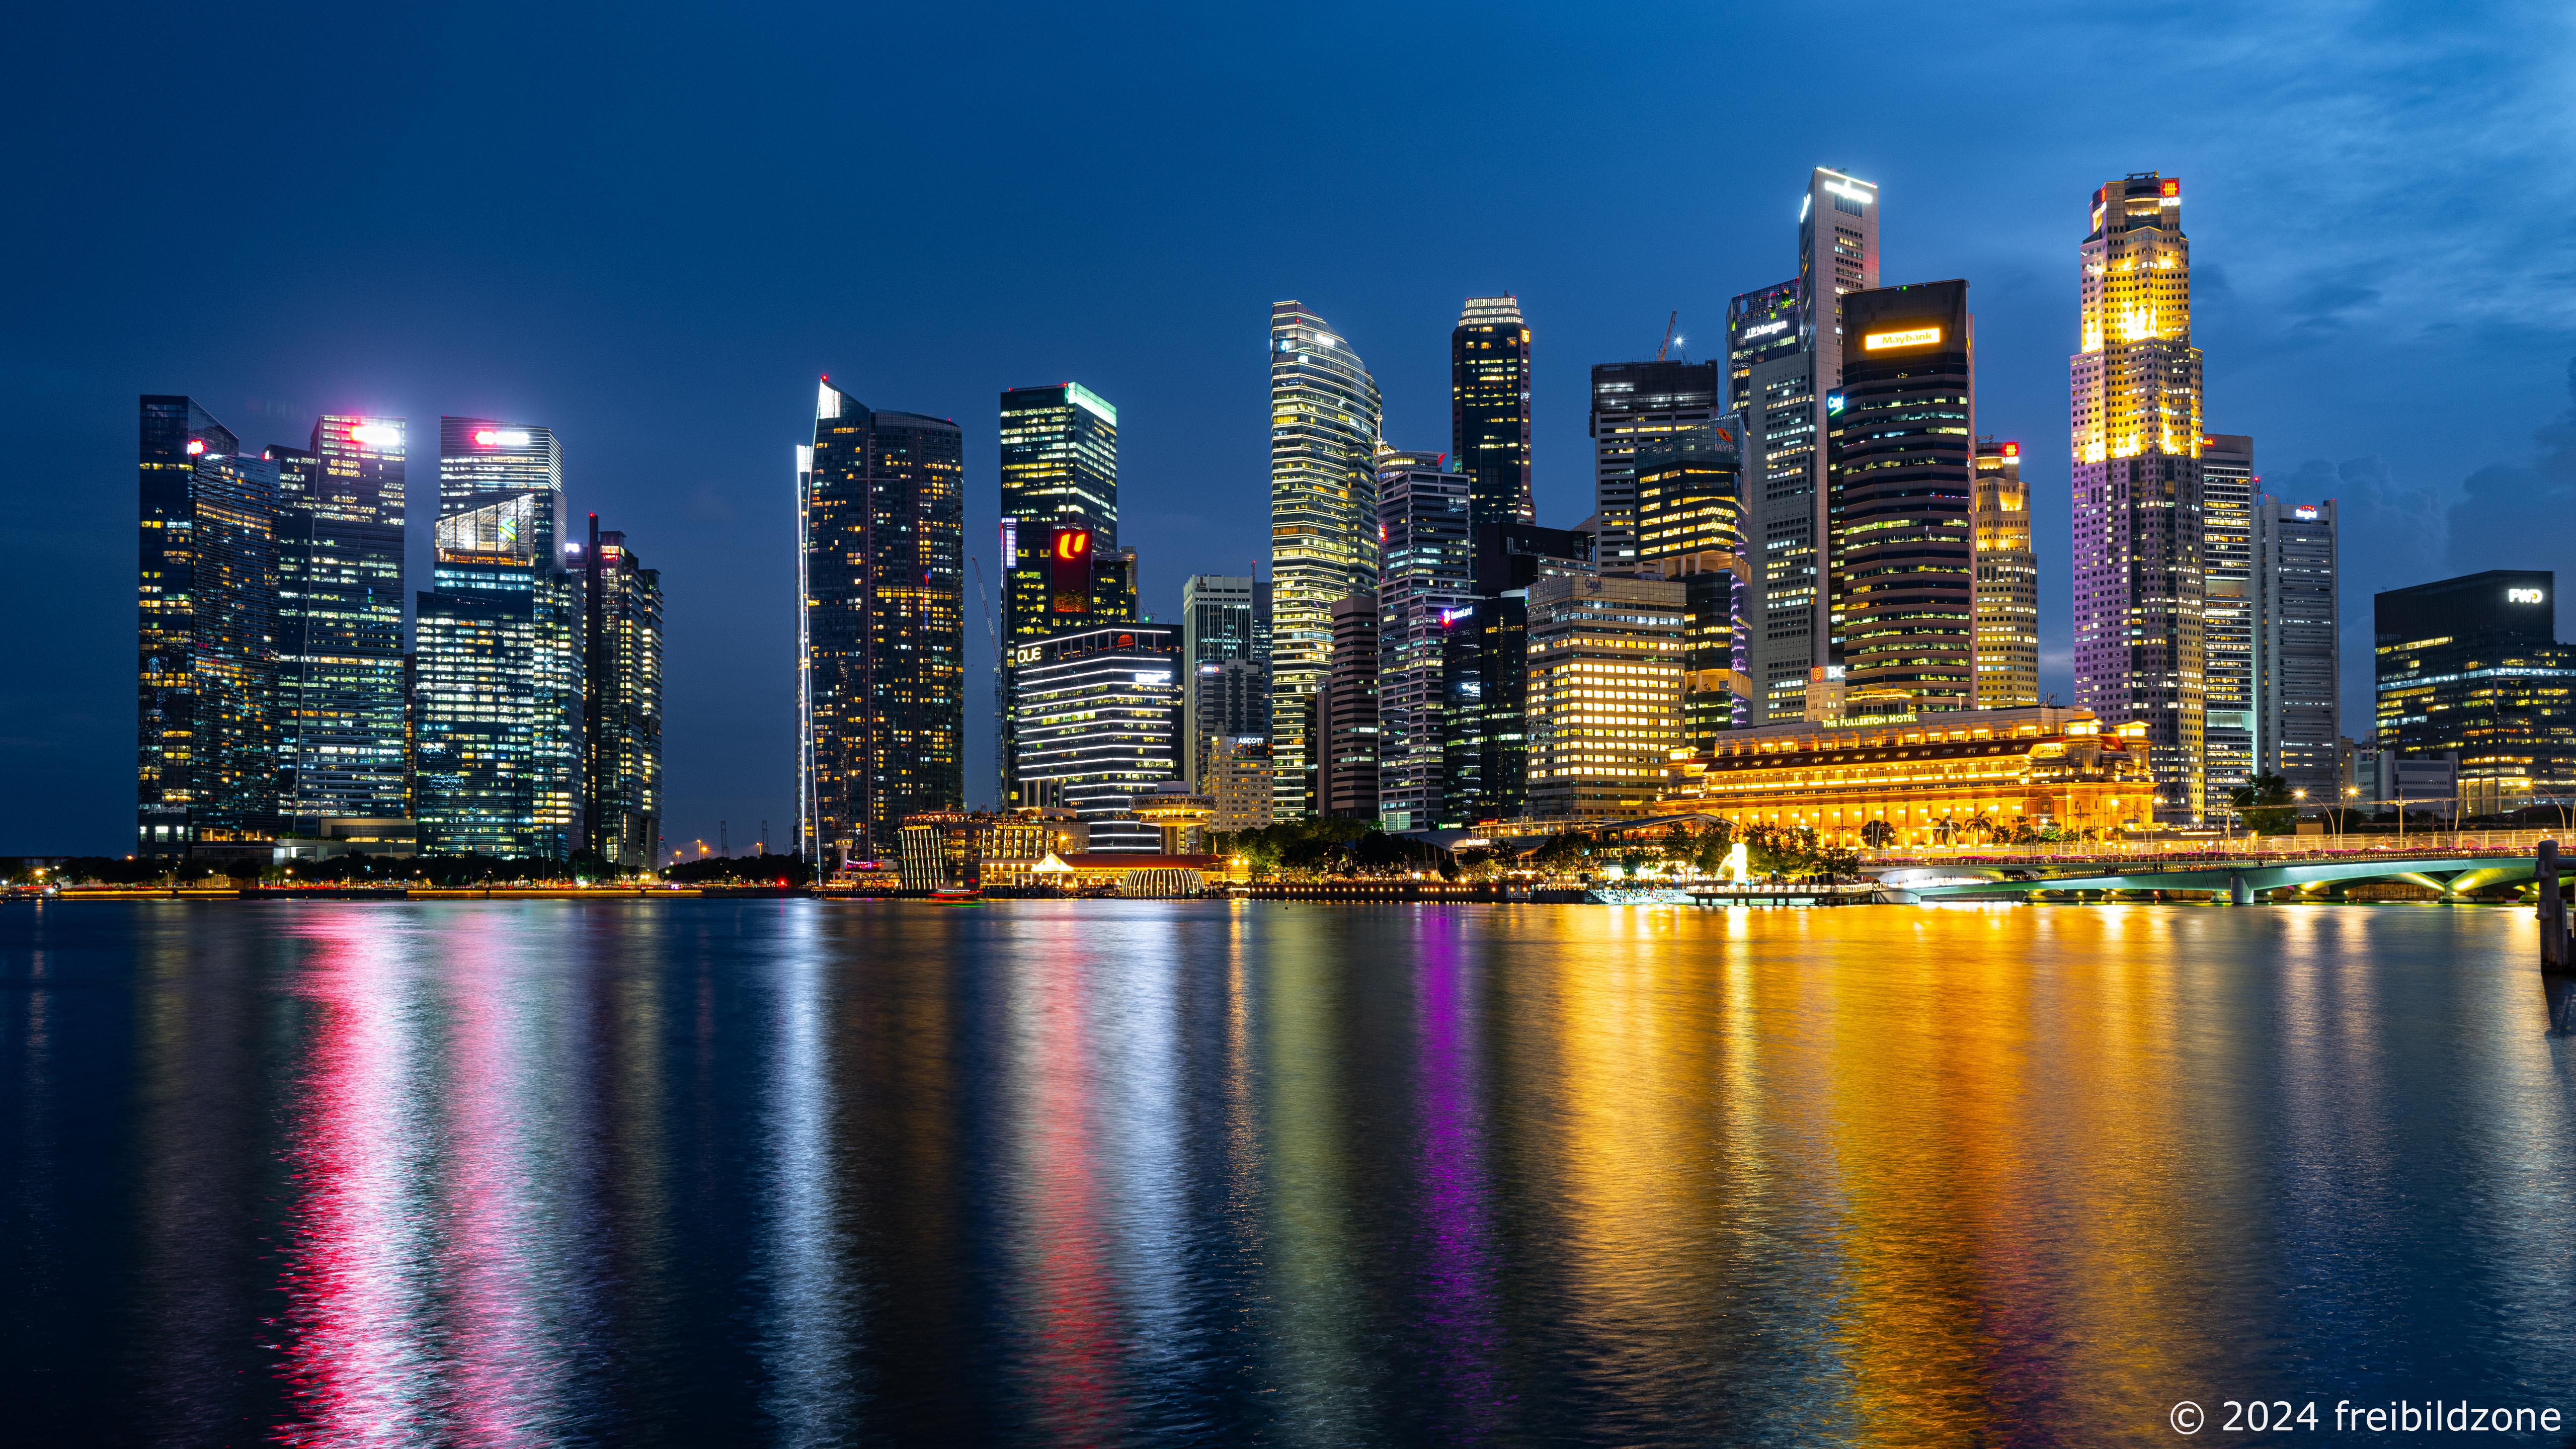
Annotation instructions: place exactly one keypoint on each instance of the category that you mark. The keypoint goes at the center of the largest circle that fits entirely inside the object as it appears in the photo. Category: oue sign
(2522, 596)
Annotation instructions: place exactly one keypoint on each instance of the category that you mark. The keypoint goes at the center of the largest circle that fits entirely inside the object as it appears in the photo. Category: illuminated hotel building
(1944, 778)
(2228, 614)
(1605, 694)
(2135, 419)
(206, 587)
(1324, 415)
(1900, 440)
(1428, 576)
(1098, 717)
(2473, 665)
(1635, 405)
(621, 703)
(339, 700)
(497, 689)
(1687, 531)
(1780, 407)
(881, 636)
(2007, 586)
(2298, 675)
(1225, 646)
(1489, 408)
(1059, 469)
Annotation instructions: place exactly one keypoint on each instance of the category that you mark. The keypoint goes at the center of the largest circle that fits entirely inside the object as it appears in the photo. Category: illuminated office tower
(1686, 530)
(1098, 714)
(881, 635)
(621, 703)
(1485, 666)
(2007, 588)
(1346, 726)
(339, 701)
(1899, 439)
(2227, 619)
(1780, 411)
(1634, 405)
(1059, 469)
(1428, 576)
(1225, 647)
(1605, 694)
(2135, 410)
(206, 772)
(2471, 668)
(2298, 676)
(497, 687)
(1489, 407)
(1324, 416)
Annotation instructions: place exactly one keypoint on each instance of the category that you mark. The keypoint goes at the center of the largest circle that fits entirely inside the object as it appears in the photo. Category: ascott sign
(1909, 337)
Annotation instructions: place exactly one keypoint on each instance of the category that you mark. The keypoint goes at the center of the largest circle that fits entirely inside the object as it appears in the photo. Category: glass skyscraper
(1225, 650)
(206, 775)
(881, 632)
(621, 703)
(2227, 621)
(1097, 712)
(1059, 469)
(2298, 674)
(1688, 530)
(496, 694)
(1324, 421)
(1635, 405)
(1428, 577)
(2007, 635)
(2135, 407)
(1489, 408)
(340, 697)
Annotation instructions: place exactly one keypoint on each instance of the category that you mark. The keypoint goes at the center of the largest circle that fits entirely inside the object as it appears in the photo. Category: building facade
(1636, 405)
(2228, 613)
(981, 850)
(1225, 644)
(1899, 438)
(621, 703)
(206, 589)
(1346, 717)
(2007, 582)
(2471, 666)
(1605, 694)
(1238, 779)
(2135, 421)
(496, 695)
(1688, 531)
(2298, 675)
(1324, 417)
(882, 628)
(339, 700)
(1485, 667)
(1489, 408)
(1059, 473)
(1944, 779)
(1098, 724)
(1428, 577)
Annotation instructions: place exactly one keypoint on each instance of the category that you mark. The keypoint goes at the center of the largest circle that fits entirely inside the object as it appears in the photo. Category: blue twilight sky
(651, 226)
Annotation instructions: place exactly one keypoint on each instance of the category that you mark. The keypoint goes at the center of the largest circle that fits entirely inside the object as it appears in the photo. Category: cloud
(2521, 515)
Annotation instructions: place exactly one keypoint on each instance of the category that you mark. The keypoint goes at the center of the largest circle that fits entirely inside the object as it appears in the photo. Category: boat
(957, 896)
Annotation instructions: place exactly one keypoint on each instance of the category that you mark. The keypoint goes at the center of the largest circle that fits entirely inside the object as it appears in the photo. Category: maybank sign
(1910, 337)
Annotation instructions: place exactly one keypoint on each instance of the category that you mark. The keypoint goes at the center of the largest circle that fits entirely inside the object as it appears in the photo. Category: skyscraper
(2472, 666)
(1605, 694)
(1059, 469)
(1099, 711)
(1428, 576)
(2007, 588)
(339, 701)
(1687, 530)
(2228, 705)
(206, 776)
(1324, 416)
(2298, 676)
(621, 703)
(1780, 408)
(882, 631)
(1485, 666)
(1899, 434)
(497, 688)
(2135, 410)
(1346, 728)
(1635, 404)
(1489, 407)
(1225, 620)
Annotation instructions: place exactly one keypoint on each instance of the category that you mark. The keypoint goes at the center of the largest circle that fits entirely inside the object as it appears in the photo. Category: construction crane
(1668, 334)
(985, 599)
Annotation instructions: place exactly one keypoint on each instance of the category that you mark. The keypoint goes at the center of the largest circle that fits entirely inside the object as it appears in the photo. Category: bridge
(2454, 869)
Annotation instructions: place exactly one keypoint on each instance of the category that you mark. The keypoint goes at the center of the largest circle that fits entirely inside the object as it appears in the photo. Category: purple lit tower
(2135, 417)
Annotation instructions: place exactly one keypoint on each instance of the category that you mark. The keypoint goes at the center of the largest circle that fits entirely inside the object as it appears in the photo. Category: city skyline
(700, 490)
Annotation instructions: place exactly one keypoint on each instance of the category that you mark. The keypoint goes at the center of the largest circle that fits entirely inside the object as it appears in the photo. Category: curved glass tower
(1324, 417)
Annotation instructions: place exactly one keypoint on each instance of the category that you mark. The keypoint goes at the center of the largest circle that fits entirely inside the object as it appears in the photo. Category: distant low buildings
(982, 850)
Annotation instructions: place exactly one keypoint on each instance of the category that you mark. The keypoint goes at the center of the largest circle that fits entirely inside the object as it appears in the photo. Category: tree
(1878, 834)
(2266, 804)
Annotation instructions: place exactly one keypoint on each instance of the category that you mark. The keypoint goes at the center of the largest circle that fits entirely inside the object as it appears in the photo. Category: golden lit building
(1927, 778)
(971, 849)
(2007, 586)
(1605, 694)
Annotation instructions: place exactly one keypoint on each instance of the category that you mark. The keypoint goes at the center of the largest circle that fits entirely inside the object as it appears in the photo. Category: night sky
(650, 227)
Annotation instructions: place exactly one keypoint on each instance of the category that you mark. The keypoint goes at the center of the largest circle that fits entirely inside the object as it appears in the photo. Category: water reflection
(1077, 1173)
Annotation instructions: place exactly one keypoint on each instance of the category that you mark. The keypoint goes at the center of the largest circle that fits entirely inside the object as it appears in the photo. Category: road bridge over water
(2449, 869)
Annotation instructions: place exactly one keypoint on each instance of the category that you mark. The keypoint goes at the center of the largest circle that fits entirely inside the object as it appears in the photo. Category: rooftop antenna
(1668, 334)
